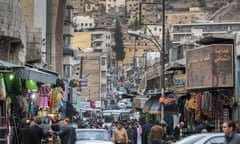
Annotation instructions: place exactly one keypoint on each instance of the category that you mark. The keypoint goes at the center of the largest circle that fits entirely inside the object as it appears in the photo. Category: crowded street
(119, 71)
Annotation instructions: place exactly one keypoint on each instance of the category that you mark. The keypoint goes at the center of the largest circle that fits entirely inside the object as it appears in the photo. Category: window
(104, 61)
(216, 140)
(95, 62)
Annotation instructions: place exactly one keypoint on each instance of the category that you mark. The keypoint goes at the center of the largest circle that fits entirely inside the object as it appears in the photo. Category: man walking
(67, 133)
(120, 135)
(230, 136)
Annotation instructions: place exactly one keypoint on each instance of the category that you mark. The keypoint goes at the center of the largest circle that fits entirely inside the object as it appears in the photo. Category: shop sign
(210, 67)
(98, 104)
(85, 105)
(139, 102)
(180, 84)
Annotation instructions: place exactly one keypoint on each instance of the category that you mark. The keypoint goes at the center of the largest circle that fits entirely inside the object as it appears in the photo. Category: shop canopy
(153, 105)
(35, 74)
(8, 67)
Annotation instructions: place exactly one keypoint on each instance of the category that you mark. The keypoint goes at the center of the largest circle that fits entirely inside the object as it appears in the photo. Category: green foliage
(119, 47)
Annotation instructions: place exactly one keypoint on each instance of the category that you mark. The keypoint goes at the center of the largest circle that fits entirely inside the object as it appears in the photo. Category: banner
(210, 67)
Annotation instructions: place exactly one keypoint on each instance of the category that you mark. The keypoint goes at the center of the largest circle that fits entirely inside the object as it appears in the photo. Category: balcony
(68, 30)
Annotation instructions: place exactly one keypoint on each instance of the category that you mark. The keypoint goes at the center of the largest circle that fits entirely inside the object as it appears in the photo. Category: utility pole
(163, 58)
(161, 49)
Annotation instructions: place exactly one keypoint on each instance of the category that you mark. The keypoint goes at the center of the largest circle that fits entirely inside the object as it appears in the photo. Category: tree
(119, 47)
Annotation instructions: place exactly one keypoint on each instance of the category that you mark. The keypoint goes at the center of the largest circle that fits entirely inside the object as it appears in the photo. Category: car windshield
(191, 139)
(92, 135)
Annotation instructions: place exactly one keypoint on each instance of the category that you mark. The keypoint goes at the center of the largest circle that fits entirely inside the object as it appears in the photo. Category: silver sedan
(203, 138)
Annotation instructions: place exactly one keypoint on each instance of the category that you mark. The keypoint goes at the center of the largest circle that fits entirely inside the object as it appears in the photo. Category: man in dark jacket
(67, 133)
(230, 136)
(177, 132)
(25, 133)
(38, 133)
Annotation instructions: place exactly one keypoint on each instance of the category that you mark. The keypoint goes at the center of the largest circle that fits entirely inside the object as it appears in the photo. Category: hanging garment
(44, 94)
(2, 88)
(8, 104)
(31, 109)
(192, 103)
(54, 98)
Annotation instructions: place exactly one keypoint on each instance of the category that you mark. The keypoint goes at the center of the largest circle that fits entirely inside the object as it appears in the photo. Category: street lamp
(161, 48)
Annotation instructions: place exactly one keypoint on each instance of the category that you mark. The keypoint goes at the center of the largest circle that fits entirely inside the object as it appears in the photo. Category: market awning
(28, 73)
(128, 95)
(176, 65)
(7, 67)
(153, 106)
(147, 105)
(156, 106)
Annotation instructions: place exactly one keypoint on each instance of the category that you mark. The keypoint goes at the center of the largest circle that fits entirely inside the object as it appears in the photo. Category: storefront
(27, 92)
(210, 83)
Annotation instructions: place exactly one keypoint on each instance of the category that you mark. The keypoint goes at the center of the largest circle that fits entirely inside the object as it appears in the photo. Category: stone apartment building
(49, 17)
(93, 68)
(13, 32)
(188, 33)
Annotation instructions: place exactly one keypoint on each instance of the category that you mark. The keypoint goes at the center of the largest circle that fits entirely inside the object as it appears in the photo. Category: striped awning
(28, 73)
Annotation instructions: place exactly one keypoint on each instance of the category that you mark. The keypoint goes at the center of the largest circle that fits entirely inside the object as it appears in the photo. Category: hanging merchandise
(2, 88)
(13, 84)
(60, 83)
(31, 85)
(8, 104)
(44, 96)
(192, 103)
(31, 111)
(55, 97)
(23, 104)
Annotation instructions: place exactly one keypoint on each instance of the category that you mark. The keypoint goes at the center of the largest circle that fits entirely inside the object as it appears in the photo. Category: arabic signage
(210, 67)
(180, 84)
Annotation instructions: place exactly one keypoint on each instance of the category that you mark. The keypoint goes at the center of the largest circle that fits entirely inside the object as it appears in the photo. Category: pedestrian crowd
(38, 131)
(35, 132)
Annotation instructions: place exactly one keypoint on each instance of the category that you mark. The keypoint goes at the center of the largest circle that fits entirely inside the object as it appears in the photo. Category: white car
(92, 136)
(203, 138)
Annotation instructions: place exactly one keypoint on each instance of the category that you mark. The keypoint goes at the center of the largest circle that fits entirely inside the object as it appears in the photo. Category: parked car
(92, 136)
(203, 138)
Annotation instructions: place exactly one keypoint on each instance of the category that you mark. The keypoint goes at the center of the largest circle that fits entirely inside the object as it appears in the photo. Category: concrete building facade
(94, 69)
(82, 23)
(114, 4)
(101, 40)
(13, 32)
(188, 33)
